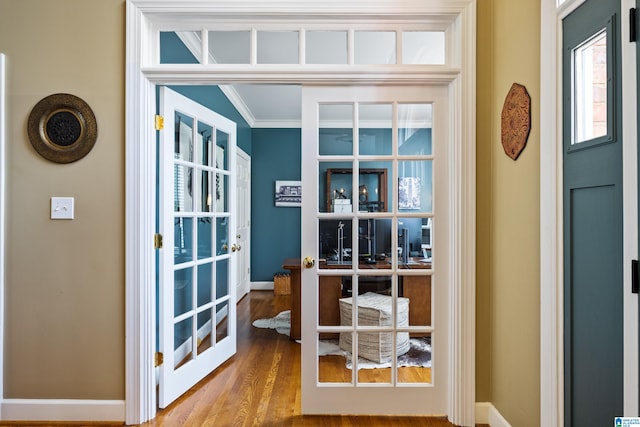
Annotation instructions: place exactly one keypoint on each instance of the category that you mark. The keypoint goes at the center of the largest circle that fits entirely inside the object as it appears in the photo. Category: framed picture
(409, 193)
(288, 193)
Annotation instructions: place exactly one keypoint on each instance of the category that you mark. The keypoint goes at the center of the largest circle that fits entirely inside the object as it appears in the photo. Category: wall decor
(62, 128)
(288, 193)
(516, 120)
(409, 193)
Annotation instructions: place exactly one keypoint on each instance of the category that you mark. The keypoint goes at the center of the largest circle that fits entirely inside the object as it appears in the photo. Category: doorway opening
(145, 25)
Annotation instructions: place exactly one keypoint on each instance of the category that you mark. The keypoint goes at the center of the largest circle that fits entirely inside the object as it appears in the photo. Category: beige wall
(508, 215)
(65, 279)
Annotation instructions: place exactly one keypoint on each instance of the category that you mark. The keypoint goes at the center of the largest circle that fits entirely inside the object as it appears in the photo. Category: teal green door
(593, 233)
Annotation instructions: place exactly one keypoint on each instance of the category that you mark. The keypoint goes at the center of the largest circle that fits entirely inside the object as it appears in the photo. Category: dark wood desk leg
(296, 332)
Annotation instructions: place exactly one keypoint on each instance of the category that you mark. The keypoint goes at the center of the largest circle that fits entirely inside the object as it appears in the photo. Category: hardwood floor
(259, 386)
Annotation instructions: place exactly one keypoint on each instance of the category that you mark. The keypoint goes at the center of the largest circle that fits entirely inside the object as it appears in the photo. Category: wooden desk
(416, 288)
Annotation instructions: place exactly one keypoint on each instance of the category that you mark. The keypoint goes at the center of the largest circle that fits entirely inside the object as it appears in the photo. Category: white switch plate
(62, 208)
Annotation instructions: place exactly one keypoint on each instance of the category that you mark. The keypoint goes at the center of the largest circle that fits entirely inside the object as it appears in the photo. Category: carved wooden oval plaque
(516, 120)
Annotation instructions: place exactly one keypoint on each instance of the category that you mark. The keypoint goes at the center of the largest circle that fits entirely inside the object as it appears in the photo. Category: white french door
(376, 241)
(197, 308)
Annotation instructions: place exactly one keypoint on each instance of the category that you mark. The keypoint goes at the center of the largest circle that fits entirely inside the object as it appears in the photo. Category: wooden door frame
(551, 213)
(143, 16)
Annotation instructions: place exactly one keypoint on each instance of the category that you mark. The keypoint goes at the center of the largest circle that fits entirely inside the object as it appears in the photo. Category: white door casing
(146, 17)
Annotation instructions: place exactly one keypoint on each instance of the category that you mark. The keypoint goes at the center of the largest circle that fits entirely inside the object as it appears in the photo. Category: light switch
(62, 208)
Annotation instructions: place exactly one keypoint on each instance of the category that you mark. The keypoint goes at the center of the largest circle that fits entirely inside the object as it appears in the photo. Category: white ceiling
(267, 105)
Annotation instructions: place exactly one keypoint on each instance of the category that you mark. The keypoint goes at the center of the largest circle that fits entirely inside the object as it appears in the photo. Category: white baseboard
(261, 286)
(486, 413)
(62, 410)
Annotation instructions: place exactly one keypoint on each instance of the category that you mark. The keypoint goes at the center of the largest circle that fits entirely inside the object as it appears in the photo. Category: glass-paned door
(375, 245)
(197, 304)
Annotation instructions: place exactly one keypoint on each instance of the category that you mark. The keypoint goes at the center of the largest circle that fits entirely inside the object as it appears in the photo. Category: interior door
(593, 206)
(375, 242)
(197, 308)
(243, 230)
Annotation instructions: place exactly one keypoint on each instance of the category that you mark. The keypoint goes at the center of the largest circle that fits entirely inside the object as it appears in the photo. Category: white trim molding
(486, 413)
(63, 410)
(143, 72)
(3, 172)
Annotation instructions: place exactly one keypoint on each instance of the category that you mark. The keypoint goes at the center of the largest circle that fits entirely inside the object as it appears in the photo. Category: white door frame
(551, 226)
(246, 246)
(141, 78)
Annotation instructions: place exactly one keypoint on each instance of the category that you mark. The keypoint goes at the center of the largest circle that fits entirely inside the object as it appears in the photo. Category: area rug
(419, 353)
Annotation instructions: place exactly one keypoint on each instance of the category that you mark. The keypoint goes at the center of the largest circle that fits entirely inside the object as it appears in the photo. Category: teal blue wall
(275, 231)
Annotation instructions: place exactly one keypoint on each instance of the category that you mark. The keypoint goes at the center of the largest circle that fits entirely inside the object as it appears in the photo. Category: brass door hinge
(158, 359)
(157, 241)
(159, 122)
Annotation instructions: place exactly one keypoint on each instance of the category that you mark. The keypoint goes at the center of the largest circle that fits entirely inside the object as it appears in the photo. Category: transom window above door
(314, 46)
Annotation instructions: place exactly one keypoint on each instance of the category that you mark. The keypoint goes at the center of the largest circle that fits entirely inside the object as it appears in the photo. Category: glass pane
(330, 292)
(222, 193)
(335, 187)
(335, 242)
(414, 366)
(204, 145)
(205, 238)
(376, 122)
(374, 243)
(278, 47)
(182, 291)
(375, 357)
(374, 301)
(590, 90)
(416, 291)
(206, 189)
(415, 180)
(222, 278)
(375, 47)
(205, 284)
(184, 132)
(174, 51)
(222, 150)
(222, 236)
(183, 240)
(410, 243)
(414, 129)
(182, 335)
(222, 324)
(423, 47)
(336, 129)
(326, 47)
(230, 47)
(333, 362)
(183, 200)
(372, 187)
(204, 330)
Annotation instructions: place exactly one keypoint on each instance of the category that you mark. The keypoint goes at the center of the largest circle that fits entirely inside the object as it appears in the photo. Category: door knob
(235, 247)
(309, 262)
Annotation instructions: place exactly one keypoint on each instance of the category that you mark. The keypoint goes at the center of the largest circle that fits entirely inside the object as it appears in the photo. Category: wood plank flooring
(259, 386)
